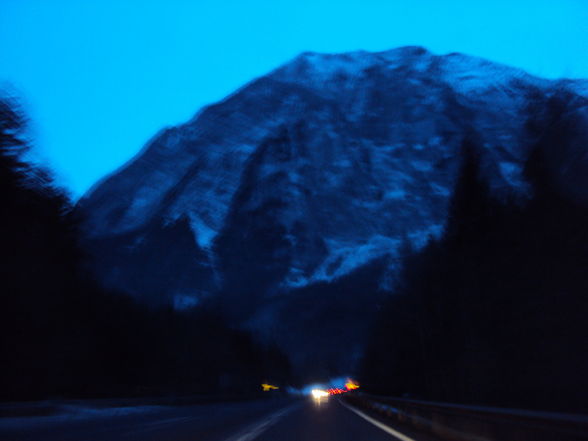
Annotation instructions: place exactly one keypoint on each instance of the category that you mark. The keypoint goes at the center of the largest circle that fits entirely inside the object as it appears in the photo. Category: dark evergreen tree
(493, 311)
(63, 334)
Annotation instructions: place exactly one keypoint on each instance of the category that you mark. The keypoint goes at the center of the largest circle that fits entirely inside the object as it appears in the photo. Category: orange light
(351, 385)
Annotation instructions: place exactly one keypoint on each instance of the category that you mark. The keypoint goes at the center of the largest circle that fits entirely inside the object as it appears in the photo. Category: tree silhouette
(63, 334)
(493, 311)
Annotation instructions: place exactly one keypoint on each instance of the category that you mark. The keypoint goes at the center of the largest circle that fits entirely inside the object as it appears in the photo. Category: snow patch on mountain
(203, 234)
(343, 258)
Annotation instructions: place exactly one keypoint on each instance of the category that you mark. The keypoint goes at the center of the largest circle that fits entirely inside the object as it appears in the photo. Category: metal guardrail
(475, 423)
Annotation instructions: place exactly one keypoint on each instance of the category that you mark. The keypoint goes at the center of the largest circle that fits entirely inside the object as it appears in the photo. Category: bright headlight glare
(317, 394)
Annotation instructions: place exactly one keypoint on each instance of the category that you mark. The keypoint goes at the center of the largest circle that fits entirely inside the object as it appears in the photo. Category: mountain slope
(313, 171)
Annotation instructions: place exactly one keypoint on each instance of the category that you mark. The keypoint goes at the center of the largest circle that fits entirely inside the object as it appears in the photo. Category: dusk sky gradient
(99, 78)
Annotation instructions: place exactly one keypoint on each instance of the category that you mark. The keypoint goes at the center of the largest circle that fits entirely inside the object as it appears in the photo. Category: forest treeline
(63, 335)
(495, 311)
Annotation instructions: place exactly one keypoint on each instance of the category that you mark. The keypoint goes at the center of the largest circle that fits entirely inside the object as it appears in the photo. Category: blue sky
(99, 78)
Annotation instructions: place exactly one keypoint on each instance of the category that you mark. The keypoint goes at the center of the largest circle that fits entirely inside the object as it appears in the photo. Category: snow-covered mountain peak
(326, 163)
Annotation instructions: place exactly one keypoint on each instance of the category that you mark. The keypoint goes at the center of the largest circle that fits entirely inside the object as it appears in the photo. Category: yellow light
(267, 387)
(351, 385)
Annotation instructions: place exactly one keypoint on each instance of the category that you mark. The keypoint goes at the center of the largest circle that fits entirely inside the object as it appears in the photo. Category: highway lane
(327, 420)
(333, 420)
(267, 420)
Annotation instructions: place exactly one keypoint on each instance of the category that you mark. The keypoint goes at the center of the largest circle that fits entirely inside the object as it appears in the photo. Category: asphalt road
(268, 420)
(329, 420)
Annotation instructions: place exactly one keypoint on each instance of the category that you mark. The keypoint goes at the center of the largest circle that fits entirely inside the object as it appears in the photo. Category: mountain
(312, 175)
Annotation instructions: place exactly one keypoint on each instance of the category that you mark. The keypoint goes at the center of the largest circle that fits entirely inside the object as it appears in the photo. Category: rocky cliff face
(312, 171)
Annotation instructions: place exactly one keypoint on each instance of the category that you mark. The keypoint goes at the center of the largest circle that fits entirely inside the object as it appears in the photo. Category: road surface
(267, 420)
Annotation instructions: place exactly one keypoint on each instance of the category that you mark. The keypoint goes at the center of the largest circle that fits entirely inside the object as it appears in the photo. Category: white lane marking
(376, 423)
(255, 430)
